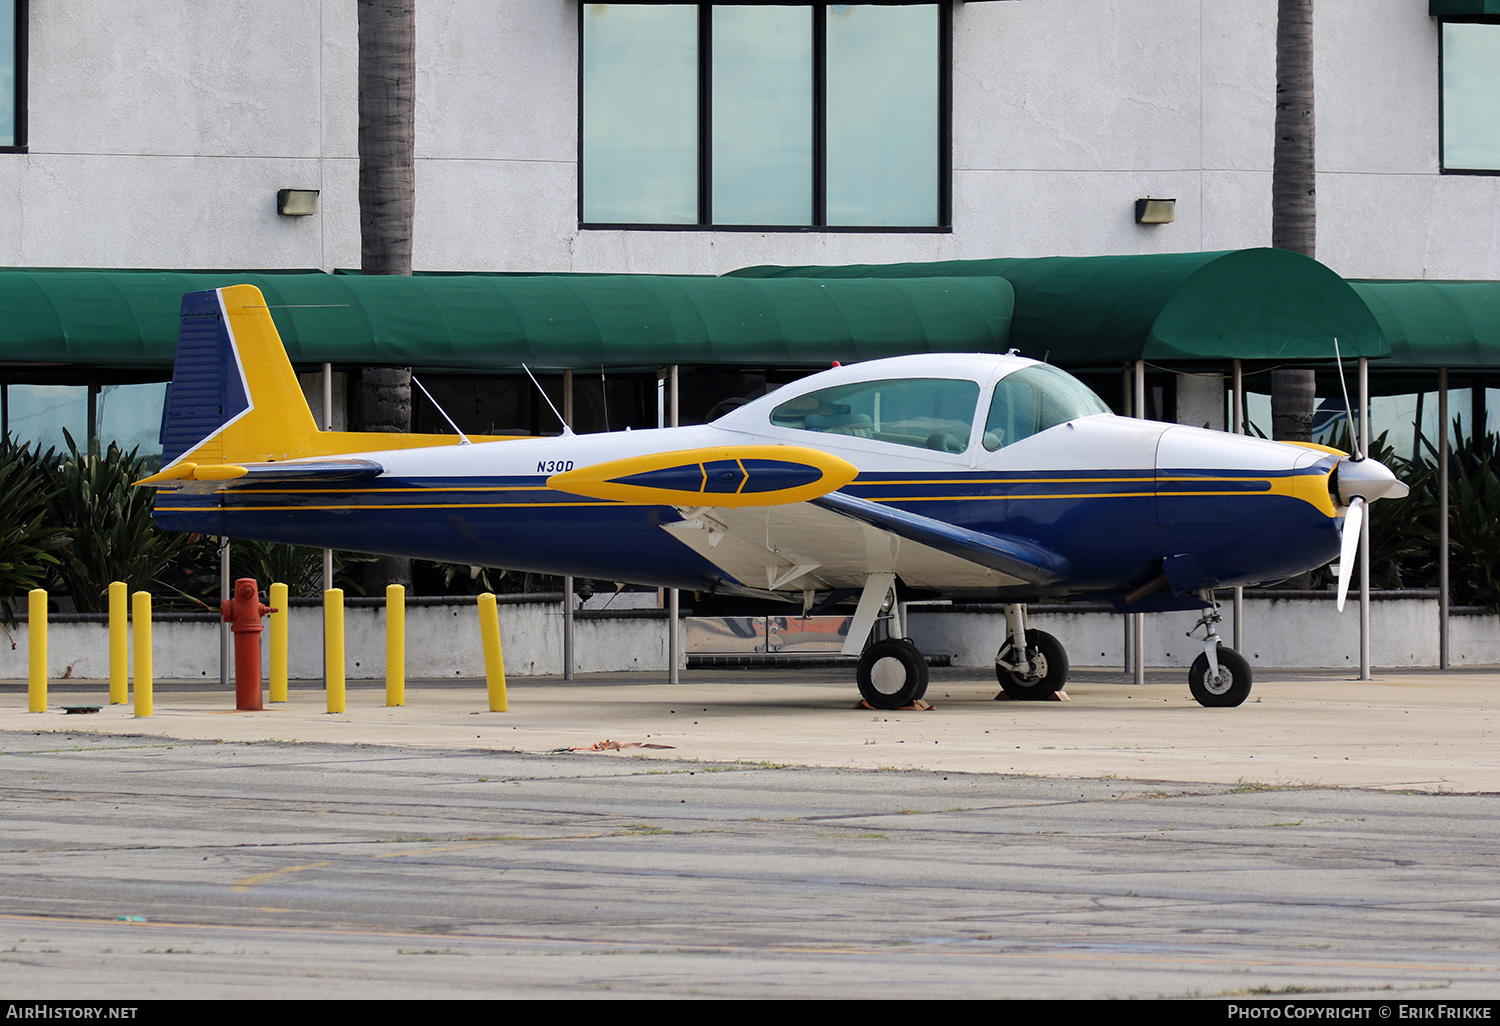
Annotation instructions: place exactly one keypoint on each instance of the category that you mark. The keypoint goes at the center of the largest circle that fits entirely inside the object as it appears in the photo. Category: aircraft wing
(838, 541)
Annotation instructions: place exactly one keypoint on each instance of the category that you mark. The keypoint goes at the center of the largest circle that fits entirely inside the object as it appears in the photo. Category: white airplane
(964, 475)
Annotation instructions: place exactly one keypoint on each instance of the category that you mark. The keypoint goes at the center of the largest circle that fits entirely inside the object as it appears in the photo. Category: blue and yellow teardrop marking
(729, 476)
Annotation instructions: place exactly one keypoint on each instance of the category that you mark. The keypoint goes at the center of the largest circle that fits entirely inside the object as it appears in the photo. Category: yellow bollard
(333, 648)
(279, 621)
(119, 648)
(494, 657)
(141, 615)
(395, 645)
(36, 644)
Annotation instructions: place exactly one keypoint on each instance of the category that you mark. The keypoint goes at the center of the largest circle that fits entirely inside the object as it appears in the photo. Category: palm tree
(387, 199)
(1294, 206)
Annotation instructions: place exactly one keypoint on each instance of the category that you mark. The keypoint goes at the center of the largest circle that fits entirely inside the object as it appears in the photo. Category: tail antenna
(566, 428)
(463, 439)
(1348, 409)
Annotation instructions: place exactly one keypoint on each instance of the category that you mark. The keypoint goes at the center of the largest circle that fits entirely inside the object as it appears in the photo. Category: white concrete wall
(160, 131)
(1290, 633)
(443, 641)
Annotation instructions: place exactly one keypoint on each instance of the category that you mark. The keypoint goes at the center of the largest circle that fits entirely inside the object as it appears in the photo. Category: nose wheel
(1230, 686)
(1219, 677)
(1035, 673)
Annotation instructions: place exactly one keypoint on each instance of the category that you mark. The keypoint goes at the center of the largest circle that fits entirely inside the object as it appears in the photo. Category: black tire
(892, 674)
(1051, 674)
(1232, 686)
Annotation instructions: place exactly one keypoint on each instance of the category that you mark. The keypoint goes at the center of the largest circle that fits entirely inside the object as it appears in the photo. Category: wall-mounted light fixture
(1155, 211)
(297, 202)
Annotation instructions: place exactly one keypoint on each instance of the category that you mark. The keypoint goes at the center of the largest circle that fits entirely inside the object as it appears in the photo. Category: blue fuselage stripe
(1112, 526)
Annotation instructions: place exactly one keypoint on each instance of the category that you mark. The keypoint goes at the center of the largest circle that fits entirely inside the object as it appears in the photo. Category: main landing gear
(892, 672)
(1031, 665)
(1219, 676)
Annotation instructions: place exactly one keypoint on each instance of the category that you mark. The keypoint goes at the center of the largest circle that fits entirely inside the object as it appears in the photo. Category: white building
(157, 134)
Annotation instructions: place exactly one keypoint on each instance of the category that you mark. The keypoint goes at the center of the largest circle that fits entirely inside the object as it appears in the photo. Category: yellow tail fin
(235, 398)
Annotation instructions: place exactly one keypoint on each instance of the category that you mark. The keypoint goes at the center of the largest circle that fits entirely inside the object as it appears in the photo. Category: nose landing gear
(1031, 665)
(1219, 677)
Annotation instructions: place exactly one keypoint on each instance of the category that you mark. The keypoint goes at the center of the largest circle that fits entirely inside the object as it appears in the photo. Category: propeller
(1353, 519)
(1360, 481)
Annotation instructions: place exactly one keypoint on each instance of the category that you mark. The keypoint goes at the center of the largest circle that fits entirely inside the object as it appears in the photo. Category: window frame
(819, 223)
(19, 99)
(1442, 154)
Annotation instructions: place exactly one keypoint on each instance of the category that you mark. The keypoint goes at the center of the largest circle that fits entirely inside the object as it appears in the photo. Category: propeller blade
(1353, 520)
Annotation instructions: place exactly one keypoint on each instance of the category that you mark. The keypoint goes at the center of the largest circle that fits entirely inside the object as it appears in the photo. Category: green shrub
(113, 537)
(29, 537)
(1473, 523)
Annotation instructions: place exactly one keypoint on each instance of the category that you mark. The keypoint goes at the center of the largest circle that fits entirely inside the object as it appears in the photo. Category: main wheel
(891, 674)
(1049, 673)
(1229, 688)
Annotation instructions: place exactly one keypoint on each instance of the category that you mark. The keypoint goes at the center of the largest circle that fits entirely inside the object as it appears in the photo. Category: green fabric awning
(1462, 8)
(1432, 324)
(125, 319)
(1435, 324)
(1252, 304)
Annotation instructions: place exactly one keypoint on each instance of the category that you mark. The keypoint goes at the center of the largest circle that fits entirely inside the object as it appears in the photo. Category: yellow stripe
(414, 505)
(251, 881)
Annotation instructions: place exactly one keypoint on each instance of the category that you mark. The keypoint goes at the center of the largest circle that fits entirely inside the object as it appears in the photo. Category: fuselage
(995, 444)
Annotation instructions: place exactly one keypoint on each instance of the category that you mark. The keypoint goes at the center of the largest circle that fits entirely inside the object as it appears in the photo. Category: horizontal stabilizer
(311, 470)
(1017, 557)
(728, 476)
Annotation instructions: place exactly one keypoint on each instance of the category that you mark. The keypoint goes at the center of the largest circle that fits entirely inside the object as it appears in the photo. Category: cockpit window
(928, 413)
(1034, 399)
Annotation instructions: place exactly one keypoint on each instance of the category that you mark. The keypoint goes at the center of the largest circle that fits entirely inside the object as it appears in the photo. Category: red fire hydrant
(244, 612)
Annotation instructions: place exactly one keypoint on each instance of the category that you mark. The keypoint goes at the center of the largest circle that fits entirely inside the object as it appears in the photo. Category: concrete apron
(1406, 730)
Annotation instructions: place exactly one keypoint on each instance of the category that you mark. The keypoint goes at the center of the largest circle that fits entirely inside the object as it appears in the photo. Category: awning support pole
(327, 553)
(1364, 527)
(1443, 601)
(673, 596)
(568, 642)
(1236, 420)
(224, 642)
(1138, 622)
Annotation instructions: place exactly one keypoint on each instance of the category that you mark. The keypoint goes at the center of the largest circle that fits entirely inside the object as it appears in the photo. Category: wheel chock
(1056, 696)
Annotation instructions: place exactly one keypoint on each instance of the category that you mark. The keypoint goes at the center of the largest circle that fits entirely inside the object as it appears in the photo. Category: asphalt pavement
(1330, 839)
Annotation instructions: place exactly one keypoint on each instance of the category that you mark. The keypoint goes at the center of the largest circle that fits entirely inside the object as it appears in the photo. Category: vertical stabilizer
(234, 396)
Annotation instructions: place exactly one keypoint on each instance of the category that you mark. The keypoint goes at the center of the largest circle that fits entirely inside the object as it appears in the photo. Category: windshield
(1033, 399)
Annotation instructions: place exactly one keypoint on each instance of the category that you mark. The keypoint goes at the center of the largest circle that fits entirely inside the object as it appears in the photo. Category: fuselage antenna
(566, 428)
(1348, 410)
(463, 439)
(604, 396)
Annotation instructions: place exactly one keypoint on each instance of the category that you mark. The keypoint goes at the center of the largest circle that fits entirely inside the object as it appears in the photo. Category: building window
(12, 75)
(1471, 96)
(830, 116)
